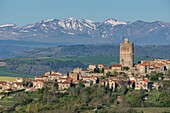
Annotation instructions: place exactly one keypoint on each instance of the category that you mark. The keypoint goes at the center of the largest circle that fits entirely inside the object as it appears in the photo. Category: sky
(22, 12)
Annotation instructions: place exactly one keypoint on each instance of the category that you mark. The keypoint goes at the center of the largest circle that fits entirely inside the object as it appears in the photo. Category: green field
(10, 74)
(4, 78)
(153, 110)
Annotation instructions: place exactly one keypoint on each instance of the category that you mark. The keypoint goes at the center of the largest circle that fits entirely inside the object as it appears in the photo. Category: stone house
(19, 80)
(116, 67)
(77, 70)
(87, 83)
(106, 70)
(111, 84)
(95, 79)
(38, 84)
(17, 85)
(91, 68)
(155, 65)
(102, 66)
(55, 76)
(143, 84)
(74, 76)
(62, 79)
(62, 85)
(44, 78)
(3, 85)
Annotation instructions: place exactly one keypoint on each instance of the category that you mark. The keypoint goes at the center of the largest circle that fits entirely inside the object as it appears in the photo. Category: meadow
(153, 110)
(5, 78)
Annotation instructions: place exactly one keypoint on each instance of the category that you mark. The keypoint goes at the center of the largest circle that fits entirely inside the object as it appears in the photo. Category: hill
(97, 50)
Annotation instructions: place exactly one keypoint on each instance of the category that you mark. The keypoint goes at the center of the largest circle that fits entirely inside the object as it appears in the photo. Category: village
(126, 74)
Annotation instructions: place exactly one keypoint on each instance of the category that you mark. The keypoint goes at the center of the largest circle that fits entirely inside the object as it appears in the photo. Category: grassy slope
(4, 73)
(4, 78)
(153, 110)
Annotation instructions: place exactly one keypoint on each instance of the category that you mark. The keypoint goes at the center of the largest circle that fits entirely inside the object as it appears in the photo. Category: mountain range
(71, 31)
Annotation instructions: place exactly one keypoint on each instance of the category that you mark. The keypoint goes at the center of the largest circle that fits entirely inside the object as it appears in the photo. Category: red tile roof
(62, 78)
(39, 76)
(146, 65)
(3, 82)
(18, 83)
(69, 80)
(131, 81)
(64, 82)
(55, 75)
(116, 65)
(37, 80)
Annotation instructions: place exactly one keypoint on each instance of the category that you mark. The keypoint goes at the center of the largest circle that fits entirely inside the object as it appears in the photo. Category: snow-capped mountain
(75, 24)
(83, 31)
(114, 22)
(8, 27)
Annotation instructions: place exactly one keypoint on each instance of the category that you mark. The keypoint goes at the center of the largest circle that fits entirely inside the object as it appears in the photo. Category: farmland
(5, 78)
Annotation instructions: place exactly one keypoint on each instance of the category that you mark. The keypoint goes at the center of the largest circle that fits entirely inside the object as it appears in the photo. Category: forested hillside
(151, 51)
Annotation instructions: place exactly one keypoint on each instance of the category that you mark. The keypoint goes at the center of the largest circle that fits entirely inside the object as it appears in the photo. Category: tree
(168, 72)
(20, 98)
(28, 108)
(155, 77)
(84, 97)
(81, 85)
(19, 109)
(36, 108)
(96, 102)
(73, 91)
(115, 73)
(106, 99)
(135, 99)
(108, 74)
(126, 68)
(96, 70)
(101, 70)
(50, 94)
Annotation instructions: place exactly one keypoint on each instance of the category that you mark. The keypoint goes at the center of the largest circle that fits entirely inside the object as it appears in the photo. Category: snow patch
(151, 30)
(43, 25)
(70, 33)
(24, 31)
(49, 20)
(8, 25)
(29, 26)
(114, 22)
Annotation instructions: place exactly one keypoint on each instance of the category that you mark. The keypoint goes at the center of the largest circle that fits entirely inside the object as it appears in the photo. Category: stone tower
(126, 53)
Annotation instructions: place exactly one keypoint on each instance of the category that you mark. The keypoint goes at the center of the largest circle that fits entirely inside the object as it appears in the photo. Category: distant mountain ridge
(81, 31)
